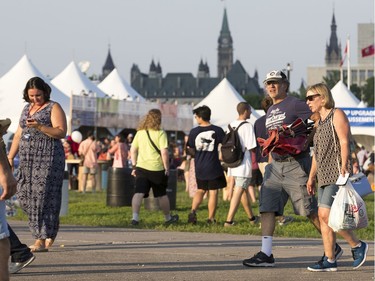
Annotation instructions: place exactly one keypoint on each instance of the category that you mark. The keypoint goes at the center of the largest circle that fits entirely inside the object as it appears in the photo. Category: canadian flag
(344, 56)
(368, 51)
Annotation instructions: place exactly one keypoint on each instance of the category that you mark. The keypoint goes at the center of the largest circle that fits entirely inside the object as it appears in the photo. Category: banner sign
(360, 117)
(116, 114)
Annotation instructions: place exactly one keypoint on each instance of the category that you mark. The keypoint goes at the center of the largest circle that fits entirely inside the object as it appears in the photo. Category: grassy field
(90, 209)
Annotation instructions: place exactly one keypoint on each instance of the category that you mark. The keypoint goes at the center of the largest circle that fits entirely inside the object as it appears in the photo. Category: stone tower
(225, 49)
(333, 49)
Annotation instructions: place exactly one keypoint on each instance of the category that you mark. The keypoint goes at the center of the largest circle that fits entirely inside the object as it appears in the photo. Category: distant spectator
(90, 149)
(362, 157)
(150, 165)
(72, 168)
(119, 149)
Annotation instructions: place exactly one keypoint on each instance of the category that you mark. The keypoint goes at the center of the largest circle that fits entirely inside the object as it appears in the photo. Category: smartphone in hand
(342, 179)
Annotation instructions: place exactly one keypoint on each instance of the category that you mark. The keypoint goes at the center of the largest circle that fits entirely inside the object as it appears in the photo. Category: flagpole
(341, 74)
(348, 64)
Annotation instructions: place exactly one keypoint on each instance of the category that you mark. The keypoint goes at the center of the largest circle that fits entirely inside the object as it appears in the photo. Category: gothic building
(333, 58)
(225, 49)
(187, 88)
(108, 65)
(333, 49)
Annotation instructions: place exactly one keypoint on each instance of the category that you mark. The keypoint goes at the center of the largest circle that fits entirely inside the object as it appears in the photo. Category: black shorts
(145, 180)
(256, 178)
(214, 184)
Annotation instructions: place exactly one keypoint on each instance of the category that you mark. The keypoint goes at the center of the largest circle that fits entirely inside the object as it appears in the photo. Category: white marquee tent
(343, 96)
(71, 81)
(117, 88)
(222, 101)
(12, 84)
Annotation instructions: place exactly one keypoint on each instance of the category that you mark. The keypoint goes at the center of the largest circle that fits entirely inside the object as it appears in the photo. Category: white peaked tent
(71, 81)
(362, 104)
(343, 96)
(11, 92)
(117, 88)
(222, 101)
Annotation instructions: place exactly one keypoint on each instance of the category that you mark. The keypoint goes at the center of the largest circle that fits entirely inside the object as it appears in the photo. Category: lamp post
(288, 70)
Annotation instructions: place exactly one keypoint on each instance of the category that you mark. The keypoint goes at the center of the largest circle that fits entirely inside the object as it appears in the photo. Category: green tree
(254, 100)
(332, 78)
(356, 90)
(368, 92)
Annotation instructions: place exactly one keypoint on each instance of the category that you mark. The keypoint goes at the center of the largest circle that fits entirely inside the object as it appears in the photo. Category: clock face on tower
(225, 41)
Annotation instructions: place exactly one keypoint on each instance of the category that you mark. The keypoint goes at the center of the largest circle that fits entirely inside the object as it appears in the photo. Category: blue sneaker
(359, 254)
(323, 265)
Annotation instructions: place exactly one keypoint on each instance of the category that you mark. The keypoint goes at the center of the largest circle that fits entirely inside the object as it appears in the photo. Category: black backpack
(231, 148)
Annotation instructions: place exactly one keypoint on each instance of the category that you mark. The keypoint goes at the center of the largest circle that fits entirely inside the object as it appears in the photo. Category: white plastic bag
(348, 210)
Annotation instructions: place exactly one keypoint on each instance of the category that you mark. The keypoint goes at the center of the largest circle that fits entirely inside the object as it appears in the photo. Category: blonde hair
(152, 120)
(324, 92)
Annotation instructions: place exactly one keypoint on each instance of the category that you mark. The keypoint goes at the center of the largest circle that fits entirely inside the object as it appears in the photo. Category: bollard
(65, 195)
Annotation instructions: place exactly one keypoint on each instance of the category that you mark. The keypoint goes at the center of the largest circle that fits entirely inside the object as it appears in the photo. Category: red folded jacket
(288, 139)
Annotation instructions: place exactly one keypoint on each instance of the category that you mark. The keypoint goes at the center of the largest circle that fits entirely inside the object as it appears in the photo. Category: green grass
(90, 209)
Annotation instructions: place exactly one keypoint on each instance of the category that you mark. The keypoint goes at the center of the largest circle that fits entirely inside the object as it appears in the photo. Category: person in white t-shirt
(362, 157)
(242, 173)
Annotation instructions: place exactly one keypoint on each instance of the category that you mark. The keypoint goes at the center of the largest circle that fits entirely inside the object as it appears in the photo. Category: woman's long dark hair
(37, 83)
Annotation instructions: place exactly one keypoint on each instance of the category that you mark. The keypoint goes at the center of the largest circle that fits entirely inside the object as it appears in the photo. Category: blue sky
(177, 33)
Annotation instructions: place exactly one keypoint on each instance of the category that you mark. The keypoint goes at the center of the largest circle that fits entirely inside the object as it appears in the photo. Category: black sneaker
(192, 218)
(173, 219)
(14, 267)
(134, 223)
(260, 260)
(338, 253)
(211, 221)
(254, 220)
(285, 220)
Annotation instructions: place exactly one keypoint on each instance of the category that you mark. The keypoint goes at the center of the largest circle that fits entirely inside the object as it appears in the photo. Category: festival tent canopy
(222, 101)
(117, 88)
(343, 96)
(71, 81)
(12, 84)
(346, 100)
(362, 104)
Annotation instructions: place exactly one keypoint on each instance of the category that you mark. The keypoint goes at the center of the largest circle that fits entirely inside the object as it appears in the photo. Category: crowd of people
(271, 172)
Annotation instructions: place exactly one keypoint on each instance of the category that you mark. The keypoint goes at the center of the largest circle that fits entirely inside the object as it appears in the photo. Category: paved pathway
(109, 254)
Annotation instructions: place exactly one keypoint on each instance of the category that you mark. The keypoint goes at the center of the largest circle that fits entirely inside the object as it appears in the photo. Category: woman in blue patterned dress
(42, 161)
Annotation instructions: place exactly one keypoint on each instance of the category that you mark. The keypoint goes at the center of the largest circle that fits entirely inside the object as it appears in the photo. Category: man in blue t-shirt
(204, 142)
(286, 175)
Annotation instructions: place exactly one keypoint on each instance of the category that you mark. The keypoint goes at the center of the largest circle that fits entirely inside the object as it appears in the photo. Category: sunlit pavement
(92, 253)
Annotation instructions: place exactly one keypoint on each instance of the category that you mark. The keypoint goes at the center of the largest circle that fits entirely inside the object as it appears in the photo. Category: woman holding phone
(42, 161)
(330, 160)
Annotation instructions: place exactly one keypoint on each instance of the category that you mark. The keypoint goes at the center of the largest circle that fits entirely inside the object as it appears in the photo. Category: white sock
(331, 261)
(358, 245)
(267, 245)
(136, 216)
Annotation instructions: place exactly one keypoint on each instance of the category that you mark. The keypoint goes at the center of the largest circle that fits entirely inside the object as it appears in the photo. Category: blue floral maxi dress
(40, 175)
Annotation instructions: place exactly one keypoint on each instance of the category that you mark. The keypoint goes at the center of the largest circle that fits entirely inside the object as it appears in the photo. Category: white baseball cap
(275, 75)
